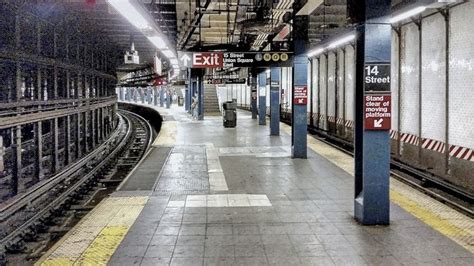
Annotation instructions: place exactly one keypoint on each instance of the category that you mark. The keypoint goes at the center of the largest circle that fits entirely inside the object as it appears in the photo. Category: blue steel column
(275, 83)
(262, 101)
(372, 148)
(253, 93)
(168, 99)
(300, 79)
(200, 86)
(187, 93)
(162, 96)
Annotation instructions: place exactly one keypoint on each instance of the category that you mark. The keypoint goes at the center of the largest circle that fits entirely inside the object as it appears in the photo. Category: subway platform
(209, 195)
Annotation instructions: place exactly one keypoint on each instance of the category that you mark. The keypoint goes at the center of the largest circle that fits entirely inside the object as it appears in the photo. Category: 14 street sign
(377, 77)
(234, 59)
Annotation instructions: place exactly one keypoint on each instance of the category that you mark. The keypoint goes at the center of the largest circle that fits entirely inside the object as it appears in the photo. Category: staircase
(211, 103)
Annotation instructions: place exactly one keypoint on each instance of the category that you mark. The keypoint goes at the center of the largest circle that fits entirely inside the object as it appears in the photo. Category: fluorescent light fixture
(343, 40)
(174, 61)
(407, 14)
(315, 52)
(158, 42)
(168, 53)
(130, 12)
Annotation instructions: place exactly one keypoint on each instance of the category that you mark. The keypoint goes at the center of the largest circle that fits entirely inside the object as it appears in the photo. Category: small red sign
(378, 111)
(208, 60)
(300, 95)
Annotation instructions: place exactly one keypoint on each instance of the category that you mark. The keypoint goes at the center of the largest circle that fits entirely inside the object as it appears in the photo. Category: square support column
(299, 113)
(253, 93)
(168, 98)
(2, 153)
(275, 84)
(372, 139)
(262, 99)
(67, 141)
(56, 144)
(187, 96)
(17, 163)
(200, 87)
(162, 97)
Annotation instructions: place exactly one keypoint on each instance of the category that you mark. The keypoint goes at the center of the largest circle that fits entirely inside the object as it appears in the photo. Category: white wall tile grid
(433, 89)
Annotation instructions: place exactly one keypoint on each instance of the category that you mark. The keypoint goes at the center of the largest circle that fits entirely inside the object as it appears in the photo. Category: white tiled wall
(340, 85)
(350, 82)
(409, 83)
(315, 85)
(332, 85)
(433, 78)
(394, 81)
(322, 86)
(461, 72)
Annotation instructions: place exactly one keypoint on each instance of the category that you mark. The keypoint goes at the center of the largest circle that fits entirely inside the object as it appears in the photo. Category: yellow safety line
(440, 217)
(97, 236)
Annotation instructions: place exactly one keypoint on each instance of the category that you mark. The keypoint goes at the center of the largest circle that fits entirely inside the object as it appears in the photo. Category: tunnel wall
(150, 114)
(56, 94)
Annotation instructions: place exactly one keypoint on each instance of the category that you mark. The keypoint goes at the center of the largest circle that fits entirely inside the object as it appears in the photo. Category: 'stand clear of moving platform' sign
(300, 96)
(377, 111)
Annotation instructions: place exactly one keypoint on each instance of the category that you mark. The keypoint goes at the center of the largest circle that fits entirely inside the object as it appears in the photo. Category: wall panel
(409, 83)
(315, 86)
(461, 72)
(331, 85)
(350, 83)
(394, 81)
(322, 92)
(433, 78)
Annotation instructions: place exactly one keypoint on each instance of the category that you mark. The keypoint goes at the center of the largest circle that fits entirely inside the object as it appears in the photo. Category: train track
(33, 221)
(416, 178)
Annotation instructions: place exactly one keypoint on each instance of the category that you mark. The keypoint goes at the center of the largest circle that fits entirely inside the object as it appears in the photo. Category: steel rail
(60, 200)
(38, 190)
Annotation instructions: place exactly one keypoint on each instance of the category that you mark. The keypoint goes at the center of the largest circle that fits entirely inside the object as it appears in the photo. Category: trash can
(180, 101)
(229, 114)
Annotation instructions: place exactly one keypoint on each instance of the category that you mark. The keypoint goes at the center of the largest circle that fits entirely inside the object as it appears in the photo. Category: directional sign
(201, 59)
(300, 95)
(378, 111)
(185, 59)
(235, 59)
(226, 81)
(377, 77)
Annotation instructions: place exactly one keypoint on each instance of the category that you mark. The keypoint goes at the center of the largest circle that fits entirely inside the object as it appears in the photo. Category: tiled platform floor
(299, 212)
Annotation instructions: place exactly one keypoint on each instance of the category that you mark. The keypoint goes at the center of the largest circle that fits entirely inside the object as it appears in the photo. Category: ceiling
(217, 24)
(120, 31)
(250, 24)
(212, 24)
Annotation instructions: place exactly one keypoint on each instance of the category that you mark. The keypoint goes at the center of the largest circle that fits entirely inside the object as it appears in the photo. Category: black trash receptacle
(229, 114)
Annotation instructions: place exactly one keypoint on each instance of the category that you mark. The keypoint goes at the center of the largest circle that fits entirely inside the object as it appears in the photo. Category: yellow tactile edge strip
(440, 217)
(95, 238)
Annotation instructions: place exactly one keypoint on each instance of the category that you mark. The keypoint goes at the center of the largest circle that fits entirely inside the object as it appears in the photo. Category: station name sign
(377, 77)
(235, 59)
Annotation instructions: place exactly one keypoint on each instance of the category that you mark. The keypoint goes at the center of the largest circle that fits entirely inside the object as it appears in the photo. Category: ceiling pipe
(196, 20)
